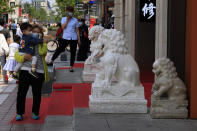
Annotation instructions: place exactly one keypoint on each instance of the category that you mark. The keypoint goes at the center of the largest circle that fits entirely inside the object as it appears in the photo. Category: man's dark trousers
(62, 45)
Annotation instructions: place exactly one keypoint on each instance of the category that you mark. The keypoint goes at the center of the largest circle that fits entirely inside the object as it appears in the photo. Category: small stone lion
(167, 84)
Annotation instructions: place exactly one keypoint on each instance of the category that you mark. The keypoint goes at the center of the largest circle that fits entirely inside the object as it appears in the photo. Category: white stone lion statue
(116, 62)
(167, 84)
(95, 47)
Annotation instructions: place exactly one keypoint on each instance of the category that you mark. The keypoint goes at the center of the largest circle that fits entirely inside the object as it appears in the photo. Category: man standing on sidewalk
(6, 32)
(70, 37)
(13, 28)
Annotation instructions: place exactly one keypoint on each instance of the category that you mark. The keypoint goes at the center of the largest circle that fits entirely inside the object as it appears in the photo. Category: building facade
(170, 33)
(13, 16)
(42, 4)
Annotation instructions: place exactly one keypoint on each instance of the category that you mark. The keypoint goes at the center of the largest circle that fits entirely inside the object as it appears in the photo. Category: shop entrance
(145, 36)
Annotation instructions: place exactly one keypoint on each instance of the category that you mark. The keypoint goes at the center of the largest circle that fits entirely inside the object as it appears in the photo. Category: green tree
(39, 14)
(42, 14)
(4, 7)
(53, 17)
(61, 7)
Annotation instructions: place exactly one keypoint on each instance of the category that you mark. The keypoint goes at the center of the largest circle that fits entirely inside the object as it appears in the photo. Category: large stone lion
(167, 84)
(116, 61)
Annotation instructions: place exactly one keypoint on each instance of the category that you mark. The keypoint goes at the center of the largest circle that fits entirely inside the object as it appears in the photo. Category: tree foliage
(39, 14)
(4, 7)
(61, 7)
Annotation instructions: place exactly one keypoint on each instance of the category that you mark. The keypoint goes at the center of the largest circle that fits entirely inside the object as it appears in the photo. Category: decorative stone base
(169, 109)
(117, 105)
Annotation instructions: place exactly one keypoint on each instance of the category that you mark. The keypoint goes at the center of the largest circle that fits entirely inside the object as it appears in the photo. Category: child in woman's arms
(27, 46)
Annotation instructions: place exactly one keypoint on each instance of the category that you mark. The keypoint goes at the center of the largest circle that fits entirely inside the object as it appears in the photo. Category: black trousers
(84, 48)
(62, 45)
(14, 32)
(25, 80)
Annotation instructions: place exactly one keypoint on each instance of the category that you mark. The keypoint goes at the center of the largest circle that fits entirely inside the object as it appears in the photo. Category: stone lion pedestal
(117, 100)
(169, 109)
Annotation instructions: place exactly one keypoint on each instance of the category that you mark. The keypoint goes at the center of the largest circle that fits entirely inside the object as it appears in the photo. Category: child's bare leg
(34, 61)
(33, 68)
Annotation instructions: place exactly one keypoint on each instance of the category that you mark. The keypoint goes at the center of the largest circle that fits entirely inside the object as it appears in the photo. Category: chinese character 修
(149, 8)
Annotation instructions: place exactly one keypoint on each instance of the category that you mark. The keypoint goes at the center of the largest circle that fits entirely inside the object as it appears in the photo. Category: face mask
(35, 35)
(70, 14)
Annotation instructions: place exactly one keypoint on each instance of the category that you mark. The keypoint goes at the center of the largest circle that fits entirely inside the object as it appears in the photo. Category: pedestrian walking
(84, 48)
(4, 51)
(59, 31)
(59, 34)
(70, 37)
(6, 32)
(11, 62)
(26, 79)
(13, 28)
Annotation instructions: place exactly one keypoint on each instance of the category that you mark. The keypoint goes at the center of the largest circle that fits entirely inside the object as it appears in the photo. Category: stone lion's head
(113, 40)
(94, 32)
(163, 66)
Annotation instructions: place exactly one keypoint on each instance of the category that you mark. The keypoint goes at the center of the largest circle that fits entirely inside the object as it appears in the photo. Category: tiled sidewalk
(8, 109)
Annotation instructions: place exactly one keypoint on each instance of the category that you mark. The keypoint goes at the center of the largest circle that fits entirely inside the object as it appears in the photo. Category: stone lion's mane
(113, 40)
(95, 29)
(168, 67)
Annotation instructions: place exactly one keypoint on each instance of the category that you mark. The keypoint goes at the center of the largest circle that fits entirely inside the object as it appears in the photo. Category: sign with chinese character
(147, 10)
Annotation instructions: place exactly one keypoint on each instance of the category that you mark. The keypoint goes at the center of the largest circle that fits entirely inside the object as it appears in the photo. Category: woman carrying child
(26, 79)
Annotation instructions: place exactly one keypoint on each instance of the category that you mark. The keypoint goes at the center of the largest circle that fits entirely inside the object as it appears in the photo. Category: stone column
(119, 15)
(161, 29)
(125, 21)
(130, 26)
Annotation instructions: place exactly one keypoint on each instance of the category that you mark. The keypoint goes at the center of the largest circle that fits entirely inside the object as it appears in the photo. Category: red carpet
(81, 94)
(146, 76)
(61, 103)
(27, 118)
(147, 92)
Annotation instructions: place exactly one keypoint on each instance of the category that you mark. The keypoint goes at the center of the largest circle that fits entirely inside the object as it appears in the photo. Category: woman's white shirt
(4, 49)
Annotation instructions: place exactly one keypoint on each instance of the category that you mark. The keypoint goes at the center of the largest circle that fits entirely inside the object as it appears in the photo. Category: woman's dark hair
(17, 38)
(70, 8)
(39, 27)
(25, 26)
(59, 25)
